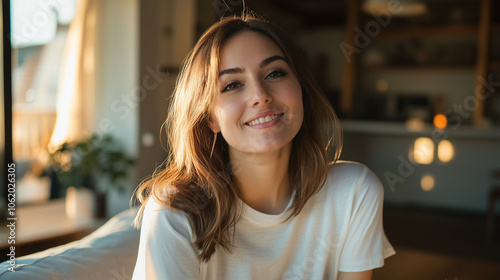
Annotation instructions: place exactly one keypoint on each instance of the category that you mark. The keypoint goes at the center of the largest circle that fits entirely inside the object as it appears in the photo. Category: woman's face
(258, 108)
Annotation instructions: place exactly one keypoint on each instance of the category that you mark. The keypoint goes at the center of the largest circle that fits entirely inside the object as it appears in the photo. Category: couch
(108, 253)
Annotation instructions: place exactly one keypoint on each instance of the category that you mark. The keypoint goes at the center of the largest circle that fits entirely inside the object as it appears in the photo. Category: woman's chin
(264, 147)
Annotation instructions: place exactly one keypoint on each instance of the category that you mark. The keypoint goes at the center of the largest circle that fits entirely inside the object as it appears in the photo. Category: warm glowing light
(440, 121)
(405, 8)
(415, 124)
(423, 150)
(446, 151)
(35, 23)
(66, 128)
(427, 183)
(80, 203)
(382, 85)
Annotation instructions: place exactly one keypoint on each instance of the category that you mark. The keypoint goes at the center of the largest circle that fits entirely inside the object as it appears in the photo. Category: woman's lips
(266, 121)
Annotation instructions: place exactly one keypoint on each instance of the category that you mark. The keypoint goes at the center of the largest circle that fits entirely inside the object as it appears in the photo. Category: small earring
(213, 145)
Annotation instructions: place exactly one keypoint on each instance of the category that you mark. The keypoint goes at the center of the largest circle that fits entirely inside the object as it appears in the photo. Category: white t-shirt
(339, 229)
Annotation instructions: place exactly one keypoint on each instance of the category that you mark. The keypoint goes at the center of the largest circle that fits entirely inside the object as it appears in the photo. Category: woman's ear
(213, 126)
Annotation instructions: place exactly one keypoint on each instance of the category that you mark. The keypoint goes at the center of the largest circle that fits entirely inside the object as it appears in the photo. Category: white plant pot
(80, 203)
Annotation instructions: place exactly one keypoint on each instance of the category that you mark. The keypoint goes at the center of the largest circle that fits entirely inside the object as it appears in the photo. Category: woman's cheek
(231, 112)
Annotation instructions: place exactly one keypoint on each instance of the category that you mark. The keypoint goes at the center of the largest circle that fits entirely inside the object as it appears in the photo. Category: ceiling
(315, 12)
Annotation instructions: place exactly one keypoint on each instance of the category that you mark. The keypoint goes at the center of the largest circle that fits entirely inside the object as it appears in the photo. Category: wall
(167, 33)
(461, 184)
(454, 83)
(325, 41)
(117, 83)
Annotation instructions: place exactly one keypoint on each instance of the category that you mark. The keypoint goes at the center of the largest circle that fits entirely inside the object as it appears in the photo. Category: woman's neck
(263, 179)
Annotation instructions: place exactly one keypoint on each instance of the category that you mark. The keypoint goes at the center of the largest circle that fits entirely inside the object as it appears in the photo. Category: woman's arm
(363, 275)
(366, 245)
(165, 247)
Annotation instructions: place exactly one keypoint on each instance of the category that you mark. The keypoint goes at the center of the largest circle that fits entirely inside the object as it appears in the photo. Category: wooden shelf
(404, 129)
(478, 34)
(37, 224)
(494, 65)
(417, 68)
(422, 31)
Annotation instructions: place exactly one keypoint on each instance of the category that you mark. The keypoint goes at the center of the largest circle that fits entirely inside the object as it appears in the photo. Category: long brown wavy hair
(199, 181)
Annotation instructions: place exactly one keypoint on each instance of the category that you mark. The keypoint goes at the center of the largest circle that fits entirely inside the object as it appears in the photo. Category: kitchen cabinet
(449, 55)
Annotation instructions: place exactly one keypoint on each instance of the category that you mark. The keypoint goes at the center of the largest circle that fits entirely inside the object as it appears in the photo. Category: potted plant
(97, 164)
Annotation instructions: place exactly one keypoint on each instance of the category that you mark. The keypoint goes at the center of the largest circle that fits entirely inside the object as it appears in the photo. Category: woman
(248, 192)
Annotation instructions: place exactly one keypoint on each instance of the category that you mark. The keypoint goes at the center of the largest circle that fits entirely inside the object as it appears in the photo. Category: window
(39, 33)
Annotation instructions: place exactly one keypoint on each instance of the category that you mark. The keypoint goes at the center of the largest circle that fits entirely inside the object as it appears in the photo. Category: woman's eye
(276, 74)
(230, 86)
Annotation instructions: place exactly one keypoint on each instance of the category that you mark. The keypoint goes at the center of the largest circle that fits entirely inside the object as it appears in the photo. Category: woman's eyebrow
(262, 64)
(231, 71)
(271, 59)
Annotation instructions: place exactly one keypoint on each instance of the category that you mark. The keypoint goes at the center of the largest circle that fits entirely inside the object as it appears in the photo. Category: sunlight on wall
(76, 88)
(35, 22)
(414, 124)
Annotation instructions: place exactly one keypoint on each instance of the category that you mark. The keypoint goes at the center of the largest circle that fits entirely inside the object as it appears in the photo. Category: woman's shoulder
(347, 166)
(159, 217)
(346, 172)
(352, 178)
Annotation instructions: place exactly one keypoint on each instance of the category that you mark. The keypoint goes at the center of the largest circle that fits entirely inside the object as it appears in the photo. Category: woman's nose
(260, 95)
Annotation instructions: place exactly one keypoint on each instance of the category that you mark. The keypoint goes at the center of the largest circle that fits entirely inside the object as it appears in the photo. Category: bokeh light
(440, 121)
(423, 150)
(427, 182)
(446, 151)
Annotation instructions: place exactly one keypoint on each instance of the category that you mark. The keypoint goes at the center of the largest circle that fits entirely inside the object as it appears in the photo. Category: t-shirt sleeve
(165, 248)
(366, 245)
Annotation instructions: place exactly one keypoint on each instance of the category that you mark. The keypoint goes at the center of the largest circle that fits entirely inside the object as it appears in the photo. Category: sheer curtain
(76, 91)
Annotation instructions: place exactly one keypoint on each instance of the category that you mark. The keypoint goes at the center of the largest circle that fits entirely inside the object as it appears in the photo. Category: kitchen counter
(461, 182)
(419, 129)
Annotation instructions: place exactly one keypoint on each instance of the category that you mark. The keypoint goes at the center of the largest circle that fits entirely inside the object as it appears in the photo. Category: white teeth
(263, 120)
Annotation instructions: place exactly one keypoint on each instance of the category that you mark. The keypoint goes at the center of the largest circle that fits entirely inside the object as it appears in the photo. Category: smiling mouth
(264, 119)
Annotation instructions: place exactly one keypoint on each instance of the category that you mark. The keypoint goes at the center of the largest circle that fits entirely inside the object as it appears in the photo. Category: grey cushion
(108, 253)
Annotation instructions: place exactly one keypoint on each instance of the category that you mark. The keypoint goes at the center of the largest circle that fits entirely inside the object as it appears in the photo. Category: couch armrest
(109, 252)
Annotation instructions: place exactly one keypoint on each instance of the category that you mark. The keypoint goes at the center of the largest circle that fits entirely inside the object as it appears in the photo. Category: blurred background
(415, 83)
